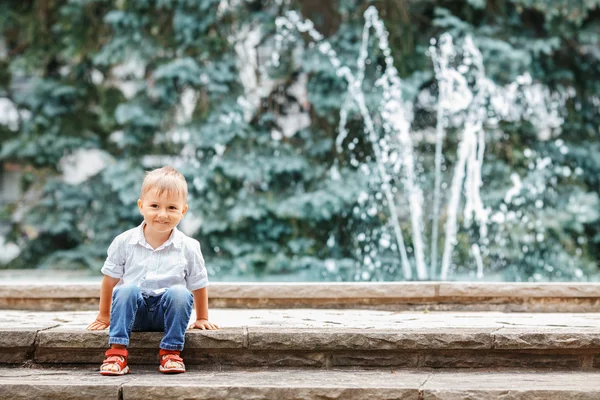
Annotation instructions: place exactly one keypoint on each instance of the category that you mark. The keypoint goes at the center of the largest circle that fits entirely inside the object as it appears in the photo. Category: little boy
(157, 273)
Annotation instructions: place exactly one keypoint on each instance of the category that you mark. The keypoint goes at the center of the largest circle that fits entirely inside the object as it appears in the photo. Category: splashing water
(470, 100)
(454, 95)
(393, 114)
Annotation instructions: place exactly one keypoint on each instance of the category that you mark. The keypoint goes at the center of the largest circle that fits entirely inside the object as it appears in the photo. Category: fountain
(467, 99)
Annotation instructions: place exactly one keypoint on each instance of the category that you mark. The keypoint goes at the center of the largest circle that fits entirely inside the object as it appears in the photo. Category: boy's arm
(201, 303)
(103, 319)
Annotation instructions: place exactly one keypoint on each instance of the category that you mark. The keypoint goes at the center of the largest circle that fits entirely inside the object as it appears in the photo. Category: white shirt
(178, 261)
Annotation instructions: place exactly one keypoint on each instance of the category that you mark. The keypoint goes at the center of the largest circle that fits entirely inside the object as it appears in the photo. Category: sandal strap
(119, 361)
(114, 360)
(171, 357)
(163, 352)
(117, 352)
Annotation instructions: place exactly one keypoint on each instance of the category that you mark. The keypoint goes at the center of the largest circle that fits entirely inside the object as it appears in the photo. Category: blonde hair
(166, 179)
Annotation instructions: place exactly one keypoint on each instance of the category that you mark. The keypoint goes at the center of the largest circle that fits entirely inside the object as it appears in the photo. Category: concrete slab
(369, 339)
(282, 384)
(323, 318)
(64, 384)
(547, 337)
(16, 344)
(67, 294)
(326, 338)
(296, 384)
(518, 289)
(34, 288)
(527, 385)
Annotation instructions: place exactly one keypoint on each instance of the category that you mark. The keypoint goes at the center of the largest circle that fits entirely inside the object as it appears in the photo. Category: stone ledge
(15, 345)
(333, 339)
(333, 290)
(230, 338)
(414, 348)
(544, 338)
(517, 289)
(296, 384)
(326, 338)
(441, 296)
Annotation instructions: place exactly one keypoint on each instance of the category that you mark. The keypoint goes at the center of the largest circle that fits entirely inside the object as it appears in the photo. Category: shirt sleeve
(114, 265)
(196, 275)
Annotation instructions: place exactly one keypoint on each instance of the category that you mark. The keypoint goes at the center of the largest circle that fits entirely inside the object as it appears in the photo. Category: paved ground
(224, 381)
(347, 384)
(316, 318)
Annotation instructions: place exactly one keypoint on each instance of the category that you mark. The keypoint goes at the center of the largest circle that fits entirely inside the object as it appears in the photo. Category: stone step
(326, 339)
(31, 294)
(298, 384)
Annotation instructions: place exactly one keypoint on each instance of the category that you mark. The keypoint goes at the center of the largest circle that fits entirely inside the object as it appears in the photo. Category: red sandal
(172, 356)
(116, 357)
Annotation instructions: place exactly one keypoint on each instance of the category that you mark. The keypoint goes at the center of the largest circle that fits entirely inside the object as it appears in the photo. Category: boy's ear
(140, 204)
(185, 208)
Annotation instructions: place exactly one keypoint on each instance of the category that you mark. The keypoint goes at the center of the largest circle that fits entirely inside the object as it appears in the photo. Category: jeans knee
(178, 296)
(125, 292)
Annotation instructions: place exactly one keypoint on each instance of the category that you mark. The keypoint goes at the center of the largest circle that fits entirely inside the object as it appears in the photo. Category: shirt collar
(138, 237)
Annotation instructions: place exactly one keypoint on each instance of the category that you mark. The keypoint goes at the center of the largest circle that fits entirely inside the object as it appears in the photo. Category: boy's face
(162, 212)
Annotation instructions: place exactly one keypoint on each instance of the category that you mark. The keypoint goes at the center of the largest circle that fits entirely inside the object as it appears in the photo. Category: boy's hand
(99, 324)
(204, 325)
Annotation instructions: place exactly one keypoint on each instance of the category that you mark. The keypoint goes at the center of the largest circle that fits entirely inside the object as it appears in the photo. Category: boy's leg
(176, 308)
(127, 302)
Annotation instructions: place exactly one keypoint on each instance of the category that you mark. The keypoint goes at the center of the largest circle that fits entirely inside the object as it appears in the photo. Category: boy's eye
(172, 208)
(153, 205)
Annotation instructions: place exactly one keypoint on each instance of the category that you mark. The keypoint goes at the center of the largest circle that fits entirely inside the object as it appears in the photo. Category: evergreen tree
(191, 83)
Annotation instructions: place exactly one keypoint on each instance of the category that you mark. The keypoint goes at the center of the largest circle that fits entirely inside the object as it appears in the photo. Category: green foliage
(112, 76)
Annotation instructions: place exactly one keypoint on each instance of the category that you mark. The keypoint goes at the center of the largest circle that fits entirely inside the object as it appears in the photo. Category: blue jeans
(133, 311)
